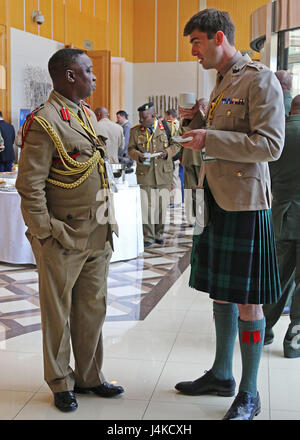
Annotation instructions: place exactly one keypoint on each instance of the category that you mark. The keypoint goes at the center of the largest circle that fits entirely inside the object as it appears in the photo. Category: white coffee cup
(187, 100)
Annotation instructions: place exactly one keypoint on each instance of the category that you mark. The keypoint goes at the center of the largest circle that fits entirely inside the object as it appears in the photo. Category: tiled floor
(158, 332)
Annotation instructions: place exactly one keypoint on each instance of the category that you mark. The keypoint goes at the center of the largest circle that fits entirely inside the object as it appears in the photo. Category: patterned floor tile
(134, 287)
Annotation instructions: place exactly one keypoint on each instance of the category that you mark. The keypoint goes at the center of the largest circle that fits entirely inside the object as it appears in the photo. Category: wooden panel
(31, 26)
(101, 18)
(99, 32)
(2, 11)
(74, 24)
(127, 29)
(114, 28)
(166, 30)
(187, 8)
(46, 10)
(102, 70)
(101, 9)
(144, 31)
(59, 21)
(240, 13)
(3, 73)
(15, 12)
(87, 7)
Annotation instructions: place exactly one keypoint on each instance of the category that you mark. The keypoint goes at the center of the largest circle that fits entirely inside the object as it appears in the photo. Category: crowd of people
(242, 161)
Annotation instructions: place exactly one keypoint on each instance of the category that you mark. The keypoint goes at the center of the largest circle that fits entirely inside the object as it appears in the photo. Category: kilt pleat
(234, 259)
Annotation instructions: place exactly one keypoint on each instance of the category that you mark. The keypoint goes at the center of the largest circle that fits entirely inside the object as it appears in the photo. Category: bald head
(101, 112)
(295, 107)
(285, 79)
(203, 104)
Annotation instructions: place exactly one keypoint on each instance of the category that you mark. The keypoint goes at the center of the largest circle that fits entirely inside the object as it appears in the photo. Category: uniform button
(228, 113)
(69, 216)
(239, 173)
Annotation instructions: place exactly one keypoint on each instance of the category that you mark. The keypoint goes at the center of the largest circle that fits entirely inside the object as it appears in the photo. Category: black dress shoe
(159, 241)
(244, 407)
(147, 244)
(207, 384)
(269, 336)
(65, 401)
(104, 390)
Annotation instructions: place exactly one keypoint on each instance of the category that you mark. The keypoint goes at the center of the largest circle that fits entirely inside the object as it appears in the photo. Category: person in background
(64, 186)
(154, 175)
(113, 132)
(7, 155)
(233, 255)
(171, 119)
(285, 79)
(122, 119)
(285, 178)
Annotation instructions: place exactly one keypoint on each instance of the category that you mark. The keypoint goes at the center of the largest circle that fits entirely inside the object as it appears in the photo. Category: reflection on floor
(134, 287)
(150, 344)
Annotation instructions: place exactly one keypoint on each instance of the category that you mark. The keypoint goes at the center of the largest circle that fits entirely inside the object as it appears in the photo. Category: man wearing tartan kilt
(233, 256)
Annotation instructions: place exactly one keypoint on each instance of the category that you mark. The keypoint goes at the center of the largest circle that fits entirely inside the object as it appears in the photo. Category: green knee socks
(226, 325)
(251, 335)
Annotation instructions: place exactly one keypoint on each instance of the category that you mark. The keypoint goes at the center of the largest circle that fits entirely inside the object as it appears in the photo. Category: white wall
(170, 79)
(26, 49)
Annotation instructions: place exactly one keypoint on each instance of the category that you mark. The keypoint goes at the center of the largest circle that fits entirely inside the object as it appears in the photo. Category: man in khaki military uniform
(64, 193)
(233, 256)
(173, 125)
(154, 175)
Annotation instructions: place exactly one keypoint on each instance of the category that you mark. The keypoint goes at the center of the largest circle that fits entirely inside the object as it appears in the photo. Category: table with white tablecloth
(15, 248)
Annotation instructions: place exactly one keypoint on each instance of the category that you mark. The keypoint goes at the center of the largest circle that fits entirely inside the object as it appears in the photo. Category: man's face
(204, 49)
(120, 119)
(85, 80)
(147, 118)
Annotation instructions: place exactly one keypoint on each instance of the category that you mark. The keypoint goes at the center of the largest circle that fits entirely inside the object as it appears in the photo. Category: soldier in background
(154, 175)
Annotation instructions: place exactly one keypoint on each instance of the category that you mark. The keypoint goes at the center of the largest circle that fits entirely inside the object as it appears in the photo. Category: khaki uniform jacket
(71, 216)
(247, 132)
(285, 179)
(115, 141)
(160, 172)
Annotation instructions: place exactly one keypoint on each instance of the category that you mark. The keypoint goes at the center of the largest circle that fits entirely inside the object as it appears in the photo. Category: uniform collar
(233, 61)
(73, 106)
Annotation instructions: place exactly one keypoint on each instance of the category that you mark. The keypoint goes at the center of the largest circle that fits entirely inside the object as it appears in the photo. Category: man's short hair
(211, 21)
(172, 112)
(122, 113)
(1, 114)
(62, 60)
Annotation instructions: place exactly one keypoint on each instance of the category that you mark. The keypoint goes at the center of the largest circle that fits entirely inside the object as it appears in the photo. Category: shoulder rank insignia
(161, 125)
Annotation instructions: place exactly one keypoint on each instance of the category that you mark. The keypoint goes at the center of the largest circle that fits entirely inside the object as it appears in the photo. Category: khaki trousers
(155, 202)
(73, 292)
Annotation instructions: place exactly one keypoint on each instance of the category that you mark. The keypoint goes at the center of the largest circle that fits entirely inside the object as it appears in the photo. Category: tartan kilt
(234, 259)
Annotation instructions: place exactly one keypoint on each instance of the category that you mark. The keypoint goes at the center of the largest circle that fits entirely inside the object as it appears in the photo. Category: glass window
(289, 56)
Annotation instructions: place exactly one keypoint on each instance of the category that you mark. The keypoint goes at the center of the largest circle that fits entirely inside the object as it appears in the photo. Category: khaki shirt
(160, 171)
(247, 131)
(73, 217)
(115, 141)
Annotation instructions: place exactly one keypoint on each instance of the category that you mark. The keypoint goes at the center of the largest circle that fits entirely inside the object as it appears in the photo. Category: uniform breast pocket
(238, 170)
(162, 141)
(231, 118)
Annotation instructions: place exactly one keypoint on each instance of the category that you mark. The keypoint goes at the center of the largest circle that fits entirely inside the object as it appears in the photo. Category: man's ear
(219, 38)
(70, 75)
